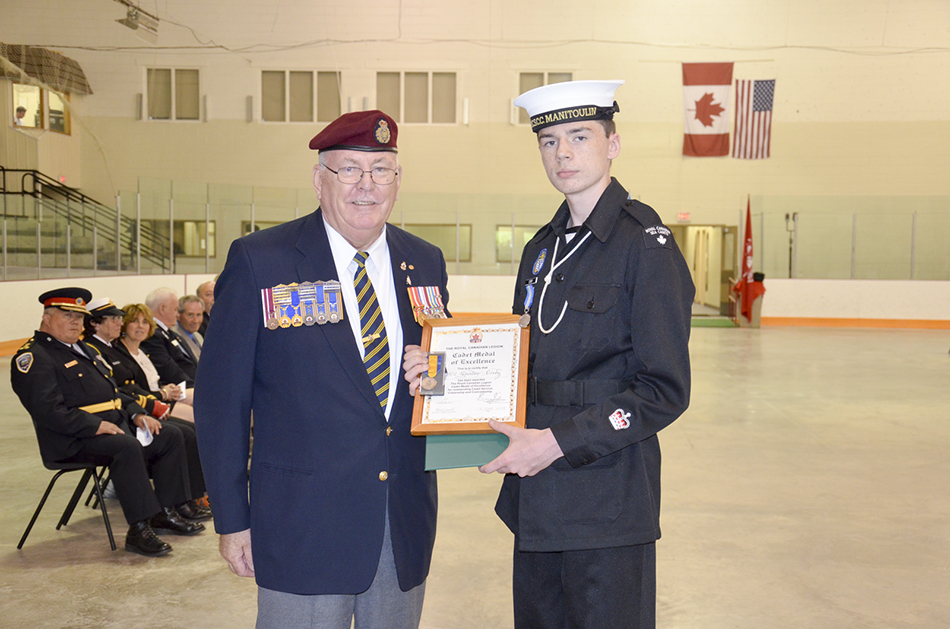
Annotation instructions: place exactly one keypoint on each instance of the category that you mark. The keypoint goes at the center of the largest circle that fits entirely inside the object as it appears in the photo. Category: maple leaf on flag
(706, 109)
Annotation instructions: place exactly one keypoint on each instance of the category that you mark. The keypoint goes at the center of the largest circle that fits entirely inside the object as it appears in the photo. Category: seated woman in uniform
(103, 328)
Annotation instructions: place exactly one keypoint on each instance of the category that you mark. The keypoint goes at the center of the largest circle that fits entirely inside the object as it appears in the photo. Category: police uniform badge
(426, 303)
(24, 362)
(382, 131)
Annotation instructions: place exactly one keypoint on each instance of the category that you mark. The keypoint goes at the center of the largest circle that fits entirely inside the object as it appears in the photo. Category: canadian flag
(706, 89)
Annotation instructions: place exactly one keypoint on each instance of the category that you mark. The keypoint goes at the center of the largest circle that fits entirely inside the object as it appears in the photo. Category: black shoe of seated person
(192, 512)
(141, 539)
(168, 521)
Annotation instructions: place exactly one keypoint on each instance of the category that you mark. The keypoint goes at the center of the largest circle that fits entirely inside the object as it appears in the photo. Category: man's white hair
(159, 296)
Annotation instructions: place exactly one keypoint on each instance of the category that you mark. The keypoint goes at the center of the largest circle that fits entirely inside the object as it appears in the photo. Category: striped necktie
(373, 331)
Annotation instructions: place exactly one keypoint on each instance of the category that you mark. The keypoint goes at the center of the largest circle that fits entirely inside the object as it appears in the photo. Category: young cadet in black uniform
(81, 417)
(608, 295)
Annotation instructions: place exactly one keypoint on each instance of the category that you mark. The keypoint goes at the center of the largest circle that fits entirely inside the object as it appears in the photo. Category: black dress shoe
(141, 539)
(192, 512)
(168, 521)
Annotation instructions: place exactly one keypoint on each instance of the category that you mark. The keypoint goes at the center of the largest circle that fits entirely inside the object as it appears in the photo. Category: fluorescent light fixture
(143, 23)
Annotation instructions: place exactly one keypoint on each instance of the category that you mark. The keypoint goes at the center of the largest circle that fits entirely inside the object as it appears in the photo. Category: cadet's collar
(602, 218)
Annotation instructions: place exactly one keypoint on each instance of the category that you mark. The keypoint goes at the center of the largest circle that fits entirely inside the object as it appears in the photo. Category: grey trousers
(382, 606)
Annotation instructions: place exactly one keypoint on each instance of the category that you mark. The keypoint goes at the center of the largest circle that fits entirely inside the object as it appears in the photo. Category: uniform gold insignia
(402, 266)
(382, 131)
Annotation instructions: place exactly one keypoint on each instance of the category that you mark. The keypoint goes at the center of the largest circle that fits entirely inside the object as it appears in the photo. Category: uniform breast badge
(426, 303)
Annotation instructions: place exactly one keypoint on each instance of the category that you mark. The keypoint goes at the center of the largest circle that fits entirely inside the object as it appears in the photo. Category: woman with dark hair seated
(103, 326)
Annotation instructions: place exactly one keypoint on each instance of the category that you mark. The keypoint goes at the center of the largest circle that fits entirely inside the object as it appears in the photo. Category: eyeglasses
(351, 174)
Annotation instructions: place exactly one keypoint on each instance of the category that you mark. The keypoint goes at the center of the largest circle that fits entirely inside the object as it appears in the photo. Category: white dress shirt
(380, 271)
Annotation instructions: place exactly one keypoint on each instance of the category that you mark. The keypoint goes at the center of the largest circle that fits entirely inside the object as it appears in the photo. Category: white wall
(832, 299)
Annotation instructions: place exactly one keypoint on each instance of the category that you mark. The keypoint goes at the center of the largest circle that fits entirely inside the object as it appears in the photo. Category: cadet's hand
(108, 428)
(236, 550)
(529, 451)
(154, 426)
(415, 362)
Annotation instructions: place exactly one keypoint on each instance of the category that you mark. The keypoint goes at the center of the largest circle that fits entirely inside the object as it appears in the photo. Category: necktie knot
(360, 259)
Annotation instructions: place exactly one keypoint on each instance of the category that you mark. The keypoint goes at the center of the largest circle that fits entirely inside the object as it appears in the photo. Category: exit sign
(683, 217)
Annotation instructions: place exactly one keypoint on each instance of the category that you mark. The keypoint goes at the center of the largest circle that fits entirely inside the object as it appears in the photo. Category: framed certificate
(485, 363)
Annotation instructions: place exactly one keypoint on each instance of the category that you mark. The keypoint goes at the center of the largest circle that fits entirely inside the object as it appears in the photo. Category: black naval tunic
(613, 373)
(68, 395)
(131, 380)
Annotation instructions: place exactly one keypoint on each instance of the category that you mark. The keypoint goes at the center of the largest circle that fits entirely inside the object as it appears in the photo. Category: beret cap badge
(382, 131)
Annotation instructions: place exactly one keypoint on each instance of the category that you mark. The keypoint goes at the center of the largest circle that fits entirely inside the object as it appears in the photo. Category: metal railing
(55, 227)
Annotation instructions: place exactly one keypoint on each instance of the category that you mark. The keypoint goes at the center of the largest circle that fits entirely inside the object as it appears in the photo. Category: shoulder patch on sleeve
(24, 362)
(657, 236)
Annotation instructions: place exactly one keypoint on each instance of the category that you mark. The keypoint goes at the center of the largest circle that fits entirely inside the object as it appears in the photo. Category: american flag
(753, 131)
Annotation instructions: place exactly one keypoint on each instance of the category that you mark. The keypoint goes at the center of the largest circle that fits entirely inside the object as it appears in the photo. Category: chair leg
(105, 514)
(39, 507)
(92, 492)
(77, 496)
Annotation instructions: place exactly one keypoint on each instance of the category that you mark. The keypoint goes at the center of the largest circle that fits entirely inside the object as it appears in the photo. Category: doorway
(710, 252)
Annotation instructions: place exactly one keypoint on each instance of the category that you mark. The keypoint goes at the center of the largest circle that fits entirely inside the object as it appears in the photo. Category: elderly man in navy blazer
(311, 318)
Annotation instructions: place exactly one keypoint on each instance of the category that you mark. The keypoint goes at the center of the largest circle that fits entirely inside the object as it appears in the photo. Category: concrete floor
(807, 486)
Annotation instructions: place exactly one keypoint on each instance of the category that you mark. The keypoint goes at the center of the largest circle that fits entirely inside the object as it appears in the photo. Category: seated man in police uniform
(80, 417)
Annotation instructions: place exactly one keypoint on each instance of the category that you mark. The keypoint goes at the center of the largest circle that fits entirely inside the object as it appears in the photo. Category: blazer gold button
(389, 430)
(383, 475)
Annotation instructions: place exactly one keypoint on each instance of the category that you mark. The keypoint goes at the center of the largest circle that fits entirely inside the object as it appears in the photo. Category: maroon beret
(358, 131)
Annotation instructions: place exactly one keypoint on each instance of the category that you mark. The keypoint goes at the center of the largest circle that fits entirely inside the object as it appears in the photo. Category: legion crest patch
(24, 362)
(539, 263)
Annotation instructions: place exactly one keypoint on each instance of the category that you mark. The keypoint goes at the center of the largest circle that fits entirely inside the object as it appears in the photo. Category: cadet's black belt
(101, 407)
(572, 392)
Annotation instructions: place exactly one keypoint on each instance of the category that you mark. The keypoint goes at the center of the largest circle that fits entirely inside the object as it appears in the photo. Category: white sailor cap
(570, 101)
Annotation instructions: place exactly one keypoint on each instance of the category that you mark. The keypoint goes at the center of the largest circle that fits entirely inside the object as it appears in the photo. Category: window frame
(523, 118)
(44, 109)
(314, 96)
(172, 95)
(401, 117)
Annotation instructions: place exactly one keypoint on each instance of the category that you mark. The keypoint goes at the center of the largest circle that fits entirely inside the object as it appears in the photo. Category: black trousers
(131, 465)
(196, 478)
(605, 588)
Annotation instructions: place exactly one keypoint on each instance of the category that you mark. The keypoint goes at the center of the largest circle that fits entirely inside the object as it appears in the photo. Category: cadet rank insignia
(24, 362)
(294, 305)
(426, 303)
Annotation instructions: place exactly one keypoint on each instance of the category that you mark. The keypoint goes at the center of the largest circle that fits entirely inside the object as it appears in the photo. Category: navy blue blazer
(321, 443)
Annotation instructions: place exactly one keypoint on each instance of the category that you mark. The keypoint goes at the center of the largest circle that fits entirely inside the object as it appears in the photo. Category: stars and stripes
(753, 122)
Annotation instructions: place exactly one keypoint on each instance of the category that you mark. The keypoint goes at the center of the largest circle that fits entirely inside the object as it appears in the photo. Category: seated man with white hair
(166, 349)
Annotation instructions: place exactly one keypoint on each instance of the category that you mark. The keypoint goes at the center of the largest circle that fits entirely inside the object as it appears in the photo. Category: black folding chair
(89, 471)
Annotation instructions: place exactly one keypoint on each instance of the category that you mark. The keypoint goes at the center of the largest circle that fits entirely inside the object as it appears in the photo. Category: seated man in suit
(206, 293)
(190, 309)
(81, 417)
(168, 351)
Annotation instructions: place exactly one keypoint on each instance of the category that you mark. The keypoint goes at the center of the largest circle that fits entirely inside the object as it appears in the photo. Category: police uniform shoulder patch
(24, 362)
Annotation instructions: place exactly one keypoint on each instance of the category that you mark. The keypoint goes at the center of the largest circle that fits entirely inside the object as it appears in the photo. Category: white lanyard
(547, 281)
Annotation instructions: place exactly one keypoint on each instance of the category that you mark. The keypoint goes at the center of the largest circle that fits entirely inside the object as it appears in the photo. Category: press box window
(530, 80)
(443, 237)
(295, 96)
(189, 238)
(37, 108)
(503, 247)
(418, 97)
(173, 94)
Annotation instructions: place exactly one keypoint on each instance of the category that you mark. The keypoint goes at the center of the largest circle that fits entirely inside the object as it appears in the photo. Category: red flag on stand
(747, 287)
